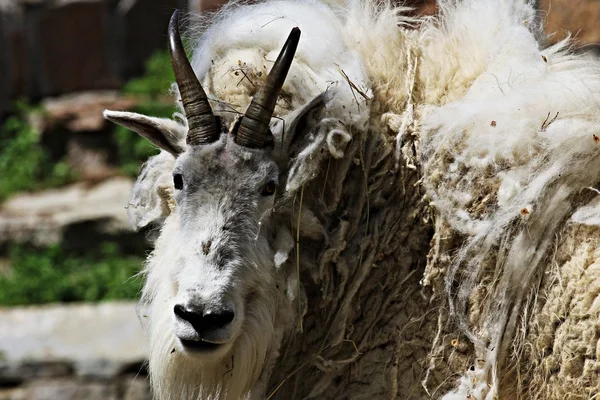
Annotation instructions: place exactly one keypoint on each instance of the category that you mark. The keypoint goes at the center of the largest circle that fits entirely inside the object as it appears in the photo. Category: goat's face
(224, 196)
(223, 276)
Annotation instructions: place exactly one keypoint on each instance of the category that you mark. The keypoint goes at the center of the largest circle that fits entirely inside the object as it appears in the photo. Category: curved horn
(254, 126)
(203, 128)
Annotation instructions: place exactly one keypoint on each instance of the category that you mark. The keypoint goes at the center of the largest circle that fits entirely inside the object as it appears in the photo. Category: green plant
(51, 275)
(153, 88)
(24, 163)
(157, 77)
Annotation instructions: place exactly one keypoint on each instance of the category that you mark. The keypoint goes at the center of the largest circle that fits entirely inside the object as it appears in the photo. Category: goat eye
(178, 181)
(269, 189)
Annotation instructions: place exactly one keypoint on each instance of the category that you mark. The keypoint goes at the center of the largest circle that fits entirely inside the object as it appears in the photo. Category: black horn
(254, 126)
(203, 127)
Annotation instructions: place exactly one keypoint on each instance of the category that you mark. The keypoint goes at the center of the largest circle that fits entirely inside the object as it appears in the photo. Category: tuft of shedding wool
(242, 57)
(431, 201)
(505, 160)
(151, 196)
(563, 339)
(390, 54)
(459, 47)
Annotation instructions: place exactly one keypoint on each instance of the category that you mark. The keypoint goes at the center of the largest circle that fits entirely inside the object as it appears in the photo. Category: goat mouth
(199, 346)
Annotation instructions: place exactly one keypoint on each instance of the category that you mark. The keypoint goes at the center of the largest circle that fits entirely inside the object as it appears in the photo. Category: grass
(24, 163)
(27, 166)
(157, 77)
(51, 275)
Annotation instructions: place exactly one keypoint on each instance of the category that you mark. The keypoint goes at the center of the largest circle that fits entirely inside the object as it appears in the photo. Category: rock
(89, 158)
(95, 340)
(45, 217)
(71, 390)
(80, 112)
(135, 387)
(72, 125)
(127, 387)
(72, 352)
(13, 394)
(8, 5)
(16, 373)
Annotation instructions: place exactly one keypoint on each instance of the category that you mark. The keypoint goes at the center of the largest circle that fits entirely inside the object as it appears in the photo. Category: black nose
(204, 321)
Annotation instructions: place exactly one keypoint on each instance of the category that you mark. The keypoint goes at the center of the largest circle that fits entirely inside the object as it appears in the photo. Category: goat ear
(164, 133)
(291, 131)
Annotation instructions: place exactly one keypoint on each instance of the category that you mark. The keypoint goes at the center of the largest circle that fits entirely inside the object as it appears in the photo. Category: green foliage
(51, 275)
(153, 86)
(24, 164)
(157, 78)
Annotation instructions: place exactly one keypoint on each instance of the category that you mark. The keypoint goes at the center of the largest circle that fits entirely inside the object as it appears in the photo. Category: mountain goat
(359, 204)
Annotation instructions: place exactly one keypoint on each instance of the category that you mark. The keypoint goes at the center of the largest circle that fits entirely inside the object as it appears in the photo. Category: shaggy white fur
(502, 135)
(244, 42)
(237, 67)
(504, 164)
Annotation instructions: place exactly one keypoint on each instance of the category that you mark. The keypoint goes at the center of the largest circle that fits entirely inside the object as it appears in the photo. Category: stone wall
(72, 352)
